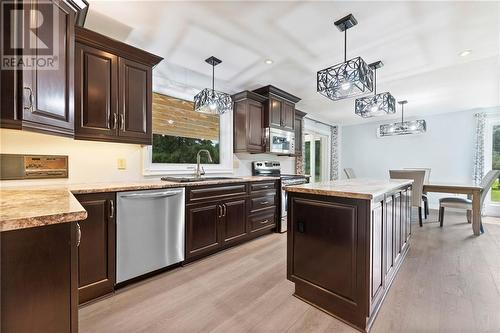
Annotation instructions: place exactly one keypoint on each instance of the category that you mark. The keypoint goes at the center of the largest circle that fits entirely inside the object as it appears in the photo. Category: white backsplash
(91, 161)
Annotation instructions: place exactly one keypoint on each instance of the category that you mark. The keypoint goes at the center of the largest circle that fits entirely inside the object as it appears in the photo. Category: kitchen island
(346, 242)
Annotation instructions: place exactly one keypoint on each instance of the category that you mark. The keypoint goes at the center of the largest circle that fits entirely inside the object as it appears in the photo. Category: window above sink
(178, 134)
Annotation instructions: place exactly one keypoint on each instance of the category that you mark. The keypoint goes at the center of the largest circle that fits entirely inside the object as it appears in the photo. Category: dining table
(473, 191)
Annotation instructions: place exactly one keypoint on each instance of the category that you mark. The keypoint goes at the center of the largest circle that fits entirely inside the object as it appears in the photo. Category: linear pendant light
(212, 101)
(378, 104)
(403, 127)
(349, 78)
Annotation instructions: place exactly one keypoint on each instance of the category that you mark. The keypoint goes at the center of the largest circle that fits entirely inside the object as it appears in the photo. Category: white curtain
(334, 153)
(478, 172)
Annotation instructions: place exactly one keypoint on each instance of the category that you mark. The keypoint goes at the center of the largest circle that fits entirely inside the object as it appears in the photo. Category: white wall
(447, 148)
(98, 161)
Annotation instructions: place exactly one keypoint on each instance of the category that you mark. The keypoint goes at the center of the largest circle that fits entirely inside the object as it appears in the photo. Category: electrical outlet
(236, 164)
(122, 164)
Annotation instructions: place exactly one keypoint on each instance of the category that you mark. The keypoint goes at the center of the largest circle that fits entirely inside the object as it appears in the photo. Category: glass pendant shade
(377, 105)
(344, 80)
(349, 78)
(212, 101)
(403, 127)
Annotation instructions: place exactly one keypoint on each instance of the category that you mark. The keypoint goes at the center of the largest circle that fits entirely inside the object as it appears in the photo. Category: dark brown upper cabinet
(299, 115)
(38, 98)
(97, 78)
(113, 89)
(248, 122)
(279, 108)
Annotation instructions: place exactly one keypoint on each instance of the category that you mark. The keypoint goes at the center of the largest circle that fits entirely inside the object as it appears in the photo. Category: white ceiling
(419, 43)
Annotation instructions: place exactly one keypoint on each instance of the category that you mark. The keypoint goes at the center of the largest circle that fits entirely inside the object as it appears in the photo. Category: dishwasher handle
(151, 195)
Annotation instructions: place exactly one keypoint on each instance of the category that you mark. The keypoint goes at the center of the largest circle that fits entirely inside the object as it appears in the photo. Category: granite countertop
(358, 188)
(34, 206)
(25, 208)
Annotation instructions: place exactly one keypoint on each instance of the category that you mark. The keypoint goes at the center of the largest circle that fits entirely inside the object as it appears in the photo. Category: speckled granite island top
(34, 206)
(358, 188)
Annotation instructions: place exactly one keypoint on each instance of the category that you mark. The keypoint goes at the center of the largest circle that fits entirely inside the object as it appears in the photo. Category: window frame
(225, 154)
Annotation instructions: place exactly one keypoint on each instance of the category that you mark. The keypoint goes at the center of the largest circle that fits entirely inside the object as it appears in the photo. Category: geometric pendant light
(403, 127)
(378, 104)
(212, 101)
(348, 79)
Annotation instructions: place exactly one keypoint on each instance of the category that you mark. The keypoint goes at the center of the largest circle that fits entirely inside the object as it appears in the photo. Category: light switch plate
(122, 164)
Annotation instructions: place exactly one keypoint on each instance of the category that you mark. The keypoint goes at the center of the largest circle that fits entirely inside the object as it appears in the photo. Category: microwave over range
(279, 141)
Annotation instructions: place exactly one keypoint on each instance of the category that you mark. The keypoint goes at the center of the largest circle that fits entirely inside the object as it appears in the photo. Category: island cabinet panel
(326, 253)
(377, 273)
(343, 253)
(389, 235)
(96, 253)
(39, 279)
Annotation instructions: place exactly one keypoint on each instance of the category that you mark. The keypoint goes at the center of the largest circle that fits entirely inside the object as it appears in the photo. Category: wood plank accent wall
(184, 121)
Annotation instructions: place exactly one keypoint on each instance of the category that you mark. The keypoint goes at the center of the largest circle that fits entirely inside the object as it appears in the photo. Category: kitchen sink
(194, 179)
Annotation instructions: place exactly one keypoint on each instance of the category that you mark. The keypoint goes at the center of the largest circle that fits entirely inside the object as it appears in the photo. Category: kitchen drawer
(208, 193)
(256, 187)
(264, 220)
(261, 202)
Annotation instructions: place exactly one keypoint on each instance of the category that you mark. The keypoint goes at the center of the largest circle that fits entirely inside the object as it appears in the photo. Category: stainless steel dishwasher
(150, 231)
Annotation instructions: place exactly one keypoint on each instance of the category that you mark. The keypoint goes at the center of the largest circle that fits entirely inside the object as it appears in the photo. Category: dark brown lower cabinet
(344, 253)
(221, 216)
(39, 284)
(96, 253)
(234, 220)
(202, 229)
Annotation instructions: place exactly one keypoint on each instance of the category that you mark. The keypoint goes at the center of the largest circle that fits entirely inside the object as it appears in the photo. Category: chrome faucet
(201, 172)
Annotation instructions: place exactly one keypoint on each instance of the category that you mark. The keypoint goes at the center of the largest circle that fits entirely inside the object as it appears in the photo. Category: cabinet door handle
(122, 123)
(224, 210)
(30, 107)
(114, 120)
(111, 209)
(78, 234)
(219, 211)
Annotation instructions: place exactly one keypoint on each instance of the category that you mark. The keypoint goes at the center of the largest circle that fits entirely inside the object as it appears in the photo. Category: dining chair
(418, 177)
(424, 194)
(349, 172)
(466, 203)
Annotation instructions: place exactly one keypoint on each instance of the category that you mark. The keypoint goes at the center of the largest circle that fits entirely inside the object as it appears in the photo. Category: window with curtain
(179, 132)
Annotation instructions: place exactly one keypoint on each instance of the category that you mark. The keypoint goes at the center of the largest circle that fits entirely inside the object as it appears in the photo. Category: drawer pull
(264, 202)
(264, 222)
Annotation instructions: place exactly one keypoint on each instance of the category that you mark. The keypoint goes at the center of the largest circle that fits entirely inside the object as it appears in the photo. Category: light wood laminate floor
(450, 282)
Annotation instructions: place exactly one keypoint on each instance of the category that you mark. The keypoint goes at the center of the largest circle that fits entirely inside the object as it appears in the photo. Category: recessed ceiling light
(465, 53)
(268, 61)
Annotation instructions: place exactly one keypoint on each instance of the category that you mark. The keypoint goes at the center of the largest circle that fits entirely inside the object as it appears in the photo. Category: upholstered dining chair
(349, 172)
(417, 187)
(424, 194)
(466, 203)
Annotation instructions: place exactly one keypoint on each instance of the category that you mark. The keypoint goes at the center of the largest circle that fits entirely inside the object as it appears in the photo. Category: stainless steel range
(273, 169)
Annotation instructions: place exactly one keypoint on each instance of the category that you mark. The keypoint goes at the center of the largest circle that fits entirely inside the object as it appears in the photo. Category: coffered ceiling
(419, 43)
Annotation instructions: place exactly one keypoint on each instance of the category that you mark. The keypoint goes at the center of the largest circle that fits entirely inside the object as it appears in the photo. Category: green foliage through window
(175, 149)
